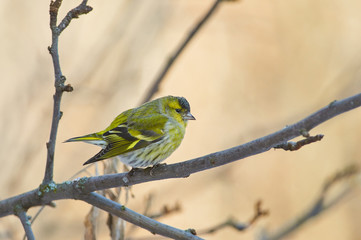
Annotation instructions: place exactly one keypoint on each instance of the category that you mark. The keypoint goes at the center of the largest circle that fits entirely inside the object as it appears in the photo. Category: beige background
(255, 67)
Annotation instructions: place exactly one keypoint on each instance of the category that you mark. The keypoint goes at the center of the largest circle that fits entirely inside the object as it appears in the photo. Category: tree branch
(318, 207)
(155, 86)
(59, 78)
(165, 210)
(239, 226)
(121, 211)
(20, 212)
(74, 13)
(293, 146)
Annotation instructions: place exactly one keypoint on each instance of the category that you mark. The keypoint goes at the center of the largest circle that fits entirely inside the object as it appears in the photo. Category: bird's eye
(178, 110)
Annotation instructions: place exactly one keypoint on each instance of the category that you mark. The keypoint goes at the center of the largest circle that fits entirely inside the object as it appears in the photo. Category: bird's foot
(133, 170)
(154, 167)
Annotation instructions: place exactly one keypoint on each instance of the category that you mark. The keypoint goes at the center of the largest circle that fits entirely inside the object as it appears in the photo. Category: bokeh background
(255, 67)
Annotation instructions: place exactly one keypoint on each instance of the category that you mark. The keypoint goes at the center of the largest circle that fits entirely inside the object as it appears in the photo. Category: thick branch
(179, 50)
(121, 211)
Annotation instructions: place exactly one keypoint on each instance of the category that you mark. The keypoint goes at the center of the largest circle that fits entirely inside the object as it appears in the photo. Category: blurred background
(255, 67)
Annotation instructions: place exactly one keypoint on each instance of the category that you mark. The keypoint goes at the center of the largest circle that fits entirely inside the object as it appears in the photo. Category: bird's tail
(90, 138)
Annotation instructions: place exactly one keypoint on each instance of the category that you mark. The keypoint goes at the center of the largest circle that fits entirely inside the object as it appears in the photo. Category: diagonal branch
(25, 222)
(121, 211)
(239, 226)
(319, 206)
(74, 13)
(155, 87)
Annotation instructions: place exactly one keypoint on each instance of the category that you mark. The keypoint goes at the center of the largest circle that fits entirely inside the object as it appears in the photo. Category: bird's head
(180, 109)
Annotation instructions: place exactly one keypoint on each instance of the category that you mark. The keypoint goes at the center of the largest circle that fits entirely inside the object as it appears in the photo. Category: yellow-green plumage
(145, 135)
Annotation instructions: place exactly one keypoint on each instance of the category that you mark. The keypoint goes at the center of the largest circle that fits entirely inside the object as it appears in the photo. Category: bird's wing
(131, 135)
(148, 128)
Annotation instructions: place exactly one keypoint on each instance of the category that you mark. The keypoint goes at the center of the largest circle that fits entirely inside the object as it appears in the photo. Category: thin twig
(90, 224)
(25, 222)
(59, 83)
(347, 172)
(239, 226)
(59, 78)
(166, 210)
(293, 146)
(258, 213)
(83, 8)
(155, 86)
(318, 207)
(32, 220)
(84, 169)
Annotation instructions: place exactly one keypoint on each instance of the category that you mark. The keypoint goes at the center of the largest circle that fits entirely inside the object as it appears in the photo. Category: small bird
(143, 136)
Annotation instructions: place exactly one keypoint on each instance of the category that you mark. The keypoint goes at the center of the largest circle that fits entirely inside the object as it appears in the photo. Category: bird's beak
(189, 116)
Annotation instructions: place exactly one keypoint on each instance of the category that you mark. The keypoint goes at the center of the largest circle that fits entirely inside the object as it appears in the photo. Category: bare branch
(339, 176)
(318, 207)
(35, 217)
(155, 86)
(293, 146)
(239, 226)
(59, 78)
(20, 212)
(53, 11)
(90, 224)
(121, 211)
(258, 213)
(74, 13)
(166, 210)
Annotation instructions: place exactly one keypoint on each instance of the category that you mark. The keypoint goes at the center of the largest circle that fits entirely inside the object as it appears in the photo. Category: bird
(143, 136)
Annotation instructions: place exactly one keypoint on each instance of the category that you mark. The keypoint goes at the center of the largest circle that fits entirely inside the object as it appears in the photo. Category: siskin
(145, 135)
